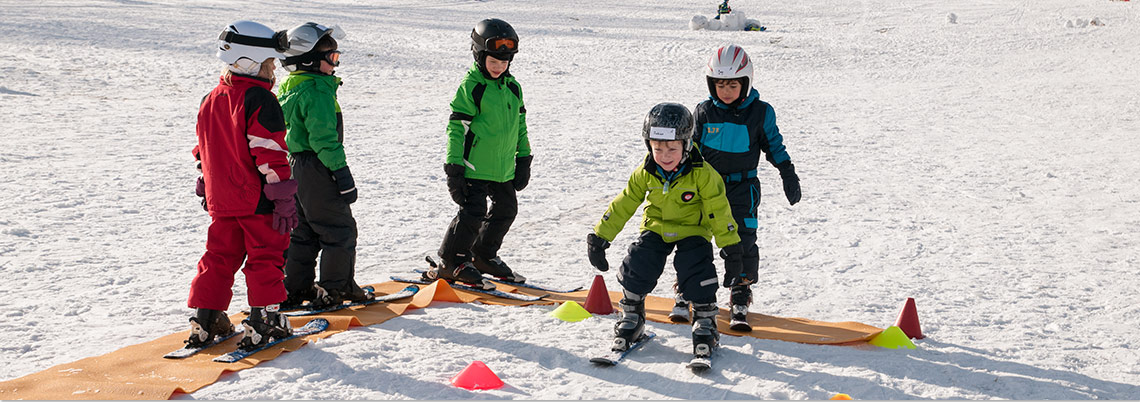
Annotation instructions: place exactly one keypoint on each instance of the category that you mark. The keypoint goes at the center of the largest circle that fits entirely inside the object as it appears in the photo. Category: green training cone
(570, 311)
(892, 338)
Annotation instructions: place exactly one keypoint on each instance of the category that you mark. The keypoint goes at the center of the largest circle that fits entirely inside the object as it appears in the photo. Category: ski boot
(264, 325)
(296, 299)
(632, 323)
(680, 311)
(463, 271)
(350, 293)
(497, 268)
(207, 324)
(705, 336)
(741, 298)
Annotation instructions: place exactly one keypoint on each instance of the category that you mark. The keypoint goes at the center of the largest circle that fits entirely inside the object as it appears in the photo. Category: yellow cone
(570, 311)
(841, 397)
(892, 338)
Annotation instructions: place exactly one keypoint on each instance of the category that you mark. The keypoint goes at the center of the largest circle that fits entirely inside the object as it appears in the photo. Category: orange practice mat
(140, 372)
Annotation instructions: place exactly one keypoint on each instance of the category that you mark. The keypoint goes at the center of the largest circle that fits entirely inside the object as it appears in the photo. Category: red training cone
(476, 376)
(598, 300)
(908, 320)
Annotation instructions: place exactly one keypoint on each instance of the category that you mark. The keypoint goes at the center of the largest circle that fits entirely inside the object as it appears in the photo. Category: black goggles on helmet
(279, 41)
(501, 45)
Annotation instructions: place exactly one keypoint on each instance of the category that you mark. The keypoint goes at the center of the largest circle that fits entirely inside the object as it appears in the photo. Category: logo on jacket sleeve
(688, 196)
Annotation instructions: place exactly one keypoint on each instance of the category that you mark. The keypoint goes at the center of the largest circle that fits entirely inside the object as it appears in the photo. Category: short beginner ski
(518, 284)
(188, 350)
(403, 294)
(314, 326)
(613, 357)
(461, 286)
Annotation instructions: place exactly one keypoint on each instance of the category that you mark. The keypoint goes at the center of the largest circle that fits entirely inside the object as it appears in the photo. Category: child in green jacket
(687, 207)
(315, 136)
(488, 156)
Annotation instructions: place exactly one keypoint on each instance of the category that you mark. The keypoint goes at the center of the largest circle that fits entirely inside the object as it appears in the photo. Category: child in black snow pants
(686, 208)
(488, 156)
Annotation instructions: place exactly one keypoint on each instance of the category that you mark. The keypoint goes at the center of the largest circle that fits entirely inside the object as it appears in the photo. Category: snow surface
(983, 166)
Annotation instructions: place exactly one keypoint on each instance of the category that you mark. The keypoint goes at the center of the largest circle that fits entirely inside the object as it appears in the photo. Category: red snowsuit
(241, 146)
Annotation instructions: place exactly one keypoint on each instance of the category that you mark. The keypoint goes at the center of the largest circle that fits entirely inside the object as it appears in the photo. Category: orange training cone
(841, 397)
(598, 300)
(908, 320)
(476, 376)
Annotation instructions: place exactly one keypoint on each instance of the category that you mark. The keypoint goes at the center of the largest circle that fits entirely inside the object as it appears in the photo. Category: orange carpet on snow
(140, 371)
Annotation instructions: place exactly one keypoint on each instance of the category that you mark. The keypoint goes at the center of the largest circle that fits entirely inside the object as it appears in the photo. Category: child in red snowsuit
(247, 187)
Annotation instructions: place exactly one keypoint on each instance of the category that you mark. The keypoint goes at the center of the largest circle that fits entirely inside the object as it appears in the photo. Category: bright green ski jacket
(693, 203)
(487, 127)
(313, 120)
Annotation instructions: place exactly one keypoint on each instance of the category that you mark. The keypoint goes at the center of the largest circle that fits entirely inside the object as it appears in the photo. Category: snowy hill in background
(977, 156)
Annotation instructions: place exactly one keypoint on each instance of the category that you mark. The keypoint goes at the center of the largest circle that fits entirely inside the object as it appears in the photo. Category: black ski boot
(499, 269)
(296, 299)
(264, 325)
(705, 336)
(207, 324)
(632, 323)
(350, 293)
(741, 298)
(680, 311)
(462, 271)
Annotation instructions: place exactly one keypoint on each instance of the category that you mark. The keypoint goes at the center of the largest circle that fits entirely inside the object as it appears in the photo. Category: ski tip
(431, 261)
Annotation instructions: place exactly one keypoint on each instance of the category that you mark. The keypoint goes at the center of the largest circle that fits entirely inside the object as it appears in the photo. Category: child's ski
(314, 326)
(403, 294)
(188, 351)
(613, 357)
(496, 293)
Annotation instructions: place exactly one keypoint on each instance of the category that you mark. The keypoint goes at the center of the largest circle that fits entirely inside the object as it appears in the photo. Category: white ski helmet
(303, 39)
(250, 40)
(730, 62)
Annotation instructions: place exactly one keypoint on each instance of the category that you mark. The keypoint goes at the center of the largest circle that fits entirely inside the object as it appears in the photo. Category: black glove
(456, 184)
(596, 247)
(791, 181)
(522, 172)
(733, 264)
(345, 185)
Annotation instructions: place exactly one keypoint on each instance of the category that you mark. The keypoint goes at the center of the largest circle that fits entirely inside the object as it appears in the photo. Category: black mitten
(456, 184)
(733, 264)
(345, 184)
(596, 247)
(791, 181)
(522, 172)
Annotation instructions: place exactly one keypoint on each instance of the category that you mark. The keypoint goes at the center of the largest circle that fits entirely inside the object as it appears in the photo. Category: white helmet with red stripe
(730, 62)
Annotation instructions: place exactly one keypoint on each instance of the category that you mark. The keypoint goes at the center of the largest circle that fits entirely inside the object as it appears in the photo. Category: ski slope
(976, 155)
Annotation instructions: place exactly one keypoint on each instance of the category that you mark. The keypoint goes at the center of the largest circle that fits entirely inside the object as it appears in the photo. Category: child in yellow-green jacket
(687, 208)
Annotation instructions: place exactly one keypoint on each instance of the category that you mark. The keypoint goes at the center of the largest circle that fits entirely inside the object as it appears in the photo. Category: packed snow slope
(976, 155)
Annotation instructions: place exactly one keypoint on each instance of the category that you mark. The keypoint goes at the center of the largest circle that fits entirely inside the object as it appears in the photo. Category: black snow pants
(326, 228)
(696, 274)
(477, 230)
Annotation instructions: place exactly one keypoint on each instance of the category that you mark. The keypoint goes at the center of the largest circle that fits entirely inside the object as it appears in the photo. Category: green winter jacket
(692, 204)
(313, 120)
(487, 127)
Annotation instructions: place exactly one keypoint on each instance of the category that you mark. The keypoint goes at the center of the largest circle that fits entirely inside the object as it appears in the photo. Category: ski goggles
(332, 57)
(279, 41)
(502, 45)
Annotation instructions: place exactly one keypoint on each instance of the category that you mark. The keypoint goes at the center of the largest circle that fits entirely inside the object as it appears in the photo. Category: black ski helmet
(669, 122)
(493, 37)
